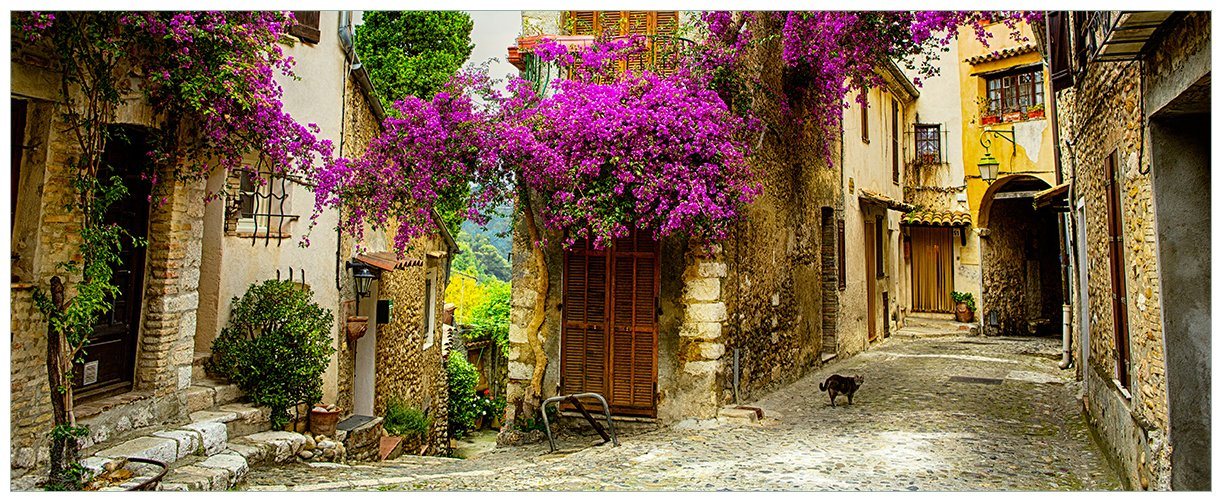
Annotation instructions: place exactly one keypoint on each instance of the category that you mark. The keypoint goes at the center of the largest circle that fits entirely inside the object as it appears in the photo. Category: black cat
(837, 384)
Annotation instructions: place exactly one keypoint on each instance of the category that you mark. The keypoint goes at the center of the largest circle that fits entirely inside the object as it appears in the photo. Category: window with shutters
(878, 247)
(307, 25)
(609, 327)
(430, 309)
(895, 141)
(841, 277)
(865, 115)
(659, 27)
(1115, 234)
(1017, 95)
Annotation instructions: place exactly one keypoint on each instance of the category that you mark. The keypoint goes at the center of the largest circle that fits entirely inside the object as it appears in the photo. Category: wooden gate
(609, 337)
(933, 271)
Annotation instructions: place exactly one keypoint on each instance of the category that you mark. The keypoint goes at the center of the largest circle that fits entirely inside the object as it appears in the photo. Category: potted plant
(990, 119)
(1035, 111)
(1011, 116)
(965, 306)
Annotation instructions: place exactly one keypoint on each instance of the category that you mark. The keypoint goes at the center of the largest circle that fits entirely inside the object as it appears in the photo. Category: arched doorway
(1021, 284)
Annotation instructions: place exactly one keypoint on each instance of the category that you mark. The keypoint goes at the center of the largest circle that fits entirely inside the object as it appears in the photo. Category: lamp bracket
(1003, 134)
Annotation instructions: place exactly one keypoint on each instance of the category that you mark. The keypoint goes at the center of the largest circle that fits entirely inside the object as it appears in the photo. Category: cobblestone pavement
(952, 413)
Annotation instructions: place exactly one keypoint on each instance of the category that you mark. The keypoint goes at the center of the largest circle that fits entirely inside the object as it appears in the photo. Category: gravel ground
(942, 414)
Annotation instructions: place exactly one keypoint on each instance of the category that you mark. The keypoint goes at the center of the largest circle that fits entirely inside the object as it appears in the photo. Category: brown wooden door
(609, 342)
(1115, 237)
(871, 281)
(932, 269)
(110, 356)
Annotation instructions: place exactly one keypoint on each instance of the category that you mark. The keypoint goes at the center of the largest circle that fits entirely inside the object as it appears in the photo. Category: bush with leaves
(403, 419)
(489, 320)
(464, 408)
(276, 347)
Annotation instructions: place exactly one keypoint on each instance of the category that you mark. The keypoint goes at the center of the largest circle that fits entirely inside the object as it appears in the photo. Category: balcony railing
(1115, 35)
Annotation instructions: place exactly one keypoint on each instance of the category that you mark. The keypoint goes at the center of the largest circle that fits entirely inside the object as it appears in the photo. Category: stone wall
(409, 365)
(164, 352)
(1106, 112)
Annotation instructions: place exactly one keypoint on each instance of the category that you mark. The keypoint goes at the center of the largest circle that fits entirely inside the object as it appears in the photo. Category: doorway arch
(1020, 257)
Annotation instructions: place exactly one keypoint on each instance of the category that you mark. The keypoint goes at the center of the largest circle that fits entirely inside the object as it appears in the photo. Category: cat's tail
(823, 386)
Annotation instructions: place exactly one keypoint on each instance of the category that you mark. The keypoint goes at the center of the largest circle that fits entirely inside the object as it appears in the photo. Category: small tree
(412, 53)
(276, 347)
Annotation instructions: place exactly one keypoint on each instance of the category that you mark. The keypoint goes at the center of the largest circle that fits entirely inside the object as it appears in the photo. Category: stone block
(702, 289)
(701, 367)
(213, 435)
(95, 463)
(235, 465)
(228, 393)
(283, 445)
(706, 312)
(520, 371)
(199, 398)
(737, 416)
(711, 269)
(156, 448)
(189, 442)
(213, 479)
(213, 416)
(252, 453)
(711, 351)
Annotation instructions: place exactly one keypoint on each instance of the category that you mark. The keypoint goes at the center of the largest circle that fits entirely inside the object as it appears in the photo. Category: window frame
(429, 320)
(921, 141)
(1006, 91)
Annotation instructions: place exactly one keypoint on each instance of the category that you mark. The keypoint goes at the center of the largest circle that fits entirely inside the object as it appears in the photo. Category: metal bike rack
(575, 400)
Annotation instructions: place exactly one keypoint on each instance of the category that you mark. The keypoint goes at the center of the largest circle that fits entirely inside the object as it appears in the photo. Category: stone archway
(1021, 289)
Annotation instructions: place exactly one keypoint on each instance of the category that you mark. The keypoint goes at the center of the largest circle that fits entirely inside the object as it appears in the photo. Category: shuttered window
(662, 52)
(1115, 237)
(609, 342)
(865, 115)
(895, 141)
(307, 26)
(878, 247)
(841, 277)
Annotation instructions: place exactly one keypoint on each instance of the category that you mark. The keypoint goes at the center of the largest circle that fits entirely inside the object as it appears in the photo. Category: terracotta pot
(1035, 114)
(356, 327)
(962, 314)
(323, 422)
(1012, 116)
(990, 119)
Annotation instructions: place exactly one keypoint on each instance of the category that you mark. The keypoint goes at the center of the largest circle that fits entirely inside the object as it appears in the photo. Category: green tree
(412, 52)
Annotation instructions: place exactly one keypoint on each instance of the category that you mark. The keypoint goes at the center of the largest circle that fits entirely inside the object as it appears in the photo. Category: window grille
(261, 207)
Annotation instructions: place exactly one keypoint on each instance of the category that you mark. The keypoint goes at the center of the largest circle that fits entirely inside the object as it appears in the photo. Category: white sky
(493, 32)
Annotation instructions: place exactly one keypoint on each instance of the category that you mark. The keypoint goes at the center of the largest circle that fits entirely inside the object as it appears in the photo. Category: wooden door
(871, 281)
(1115, 237)
(932, 269)
(609, 337)
(110, 356)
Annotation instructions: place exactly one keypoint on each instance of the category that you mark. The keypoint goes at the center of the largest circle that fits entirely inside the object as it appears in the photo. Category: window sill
(260, 233)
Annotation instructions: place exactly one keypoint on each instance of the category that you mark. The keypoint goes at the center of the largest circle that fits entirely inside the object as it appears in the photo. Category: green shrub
(405, 420)
(276, 347)
(464, 408)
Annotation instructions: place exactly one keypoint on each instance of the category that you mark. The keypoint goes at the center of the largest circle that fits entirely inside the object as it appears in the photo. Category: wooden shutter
(1115, 237)
(932, 269)
(584, 330)
(841, 277)
(895, 141)
(634, 324)
(307, 26)
(879, 245)
(865, 115)
(1059, 65)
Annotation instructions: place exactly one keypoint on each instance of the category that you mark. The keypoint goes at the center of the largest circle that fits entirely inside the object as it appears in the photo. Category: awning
(1055, 197)
(871, 197)
(386, 260)
(935, 218)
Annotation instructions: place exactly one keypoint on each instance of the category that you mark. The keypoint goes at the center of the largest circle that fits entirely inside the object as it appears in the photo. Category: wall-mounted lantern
(362, 276)
(988, 164)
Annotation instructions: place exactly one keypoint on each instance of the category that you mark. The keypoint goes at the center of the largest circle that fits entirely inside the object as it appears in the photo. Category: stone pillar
(701, 341)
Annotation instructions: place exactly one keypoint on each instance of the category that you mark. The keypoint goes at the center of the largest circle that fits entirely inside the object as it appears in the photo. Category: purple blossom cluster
(214, 73)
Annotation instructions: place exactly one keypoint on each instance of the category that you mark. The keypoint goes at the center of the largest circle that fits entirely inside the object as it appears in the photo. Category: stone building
(144, 369)
(1132, 114)
(803, 279)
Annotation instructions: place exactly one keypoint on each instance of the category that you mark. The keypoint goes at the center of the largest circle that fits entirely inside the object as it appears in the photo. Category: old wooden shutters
(661, 52)
(610, 335)
(871, 279)
(932, 269)
(1115, 238)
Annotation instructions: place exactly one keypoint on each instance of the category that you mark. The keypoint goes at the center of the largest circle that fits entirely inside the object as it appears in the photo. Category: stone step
(207, 393)
(740, 415)
(225, 469)
(197, 366)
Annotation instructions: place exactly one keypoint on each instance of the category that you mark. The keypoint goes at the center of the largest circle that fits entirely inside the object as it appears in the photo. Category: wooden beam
(1016, 195)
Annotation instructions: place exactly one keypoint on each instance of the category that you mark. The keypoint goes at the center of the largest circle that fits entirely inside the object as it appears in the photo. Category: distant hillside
(497, 231)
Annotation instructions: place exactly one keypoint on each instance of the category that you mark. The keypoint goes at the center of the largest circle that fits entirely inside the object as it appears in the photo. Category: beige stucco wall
(232, 262)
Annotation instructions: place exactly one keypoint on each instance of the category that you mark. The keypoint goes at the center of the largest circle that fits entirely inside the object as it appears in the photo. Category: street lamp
(988, 164)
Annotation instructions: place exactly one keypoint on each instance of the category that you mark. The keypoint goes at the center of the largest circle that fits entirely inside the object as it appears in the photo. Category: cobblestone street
(954, 413)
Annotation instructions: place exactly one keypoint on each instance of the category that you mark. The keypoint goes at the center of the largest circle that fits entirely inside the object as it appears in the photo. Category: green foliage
(462, 378)
(490, 319)
(967, 298)
(74, 478)
(405, 420)
(498, 229)
(489, 407)
(412, 52)
(276, 346)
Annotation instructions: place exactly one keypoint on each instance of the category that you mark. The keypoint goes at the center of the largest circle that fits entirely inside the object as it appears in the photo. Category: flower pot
(1035, 114)
(1012, 116)
(990, 119)
(962, 314)
(356, 327)
(323, 422)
